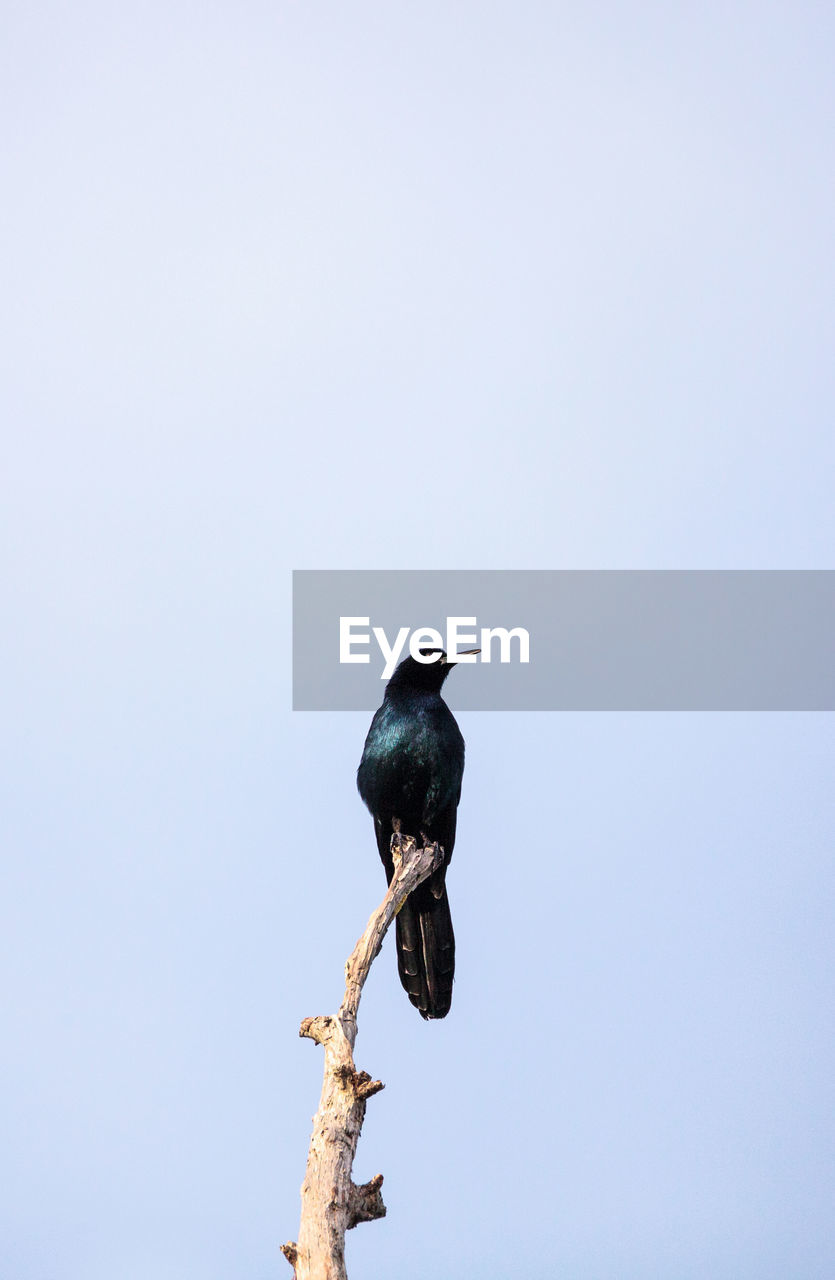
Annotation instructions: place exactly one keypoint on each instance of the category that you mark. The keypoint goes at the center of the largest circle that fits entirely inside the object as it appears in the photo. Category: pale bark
(331, 1202)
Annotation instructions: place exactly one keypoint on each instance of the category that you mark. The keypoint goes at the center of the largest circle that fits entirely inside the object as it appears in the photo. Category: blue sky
(371, 286)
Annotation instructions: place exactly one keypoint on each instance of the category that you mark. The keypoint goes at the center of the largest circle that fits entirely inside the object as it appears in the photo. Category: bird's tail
(426, 947)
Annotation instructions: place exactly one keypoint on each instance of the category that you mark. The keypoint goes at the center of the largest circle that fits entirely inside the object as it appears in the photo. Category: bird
(409, 778)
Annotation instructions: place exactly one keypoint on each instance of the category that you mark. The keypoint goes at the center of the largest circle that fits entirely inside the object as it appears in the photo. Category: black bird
(410, 779)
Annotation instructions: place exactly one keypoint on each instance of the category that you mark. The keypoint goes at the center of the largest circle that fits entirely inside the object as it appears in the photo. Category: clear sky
(378, 285)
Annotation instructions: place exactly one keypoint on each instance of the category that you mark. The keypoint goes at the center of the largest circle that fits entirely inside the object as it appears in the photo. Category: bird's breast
(413, 760)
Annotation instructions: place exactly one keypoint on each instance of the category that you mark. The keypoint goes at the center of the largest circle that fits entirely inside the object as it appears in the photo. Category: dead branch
(331, 1202)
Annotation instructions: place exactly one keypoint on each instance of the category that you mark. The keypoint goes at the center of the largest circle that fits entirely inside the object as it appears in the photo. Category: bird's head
(428, 673)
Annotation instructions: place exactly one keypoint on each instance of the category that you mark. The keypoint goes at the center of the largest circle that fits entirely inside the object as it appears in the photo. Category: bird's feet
(401, 846)
(433, 844)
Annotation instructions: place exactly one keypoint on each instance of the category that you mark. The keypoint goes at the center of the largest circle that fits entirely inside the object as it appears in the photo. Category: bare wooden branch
(331, 1202)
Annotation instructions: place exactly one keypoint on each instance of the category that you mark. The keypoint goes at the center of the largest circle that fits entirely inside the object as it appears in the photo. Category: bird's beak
(465, 653)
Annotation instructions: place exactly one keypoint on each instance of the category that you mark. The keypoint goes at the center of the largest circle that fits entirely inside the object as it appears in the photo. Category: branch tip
(318, 1029)
(365, 1087)
(366, 1202)
(359, 1081)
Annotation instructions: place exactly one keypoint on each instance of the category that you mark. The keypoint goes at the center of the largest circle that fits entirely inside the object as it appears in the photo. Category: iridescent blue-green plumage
(411, 771)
